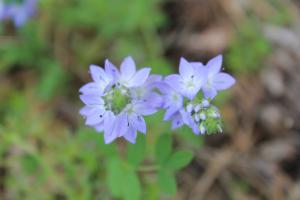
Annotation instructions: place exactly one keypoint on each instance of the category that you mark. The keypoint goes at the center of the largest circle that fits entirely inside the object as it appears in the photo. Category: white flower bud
(205, 103)
(189, 108)
(202, 128)
(197, 118)
(202, 116)
(197, 107)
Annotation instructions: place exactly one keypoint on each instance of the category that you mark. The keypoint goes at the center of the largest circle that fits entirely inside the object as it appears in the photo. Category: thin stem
(148, 168)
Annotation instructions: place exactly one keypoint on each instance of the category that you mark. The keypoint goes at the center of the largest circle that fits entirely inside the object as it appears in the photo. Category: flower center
(188, 82)
(117, 99)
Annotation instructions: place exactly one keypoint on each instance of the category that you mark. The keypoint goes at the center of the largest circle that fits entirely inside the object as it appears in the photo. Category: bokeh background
(46, 152)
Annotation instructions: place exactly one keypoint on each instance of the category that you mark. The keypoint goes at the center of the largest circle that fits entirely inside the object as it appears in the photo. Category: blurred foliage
(282, 15)
(249, 48)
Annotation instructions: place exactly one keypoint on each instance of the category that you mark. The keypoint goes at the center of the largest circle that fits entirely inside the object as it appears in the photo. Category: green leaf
(167, 182)
(114, 175)
(163, 148)
(179, 160)
(50, 81)
(30, 163)
(131, 185)
(151, 191)
(189, 138)
(136, 152)
(122, 180)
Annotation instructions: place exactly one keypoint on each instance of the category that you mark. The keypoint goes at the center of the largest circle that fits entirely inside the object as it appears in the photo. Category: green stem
(148, 168)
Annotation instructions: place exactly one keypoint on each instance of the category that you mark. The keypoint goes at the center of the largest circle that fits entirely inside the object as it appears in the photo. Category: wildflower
(116, 100)
(216, 80)
(189, 80)
(19, 11)
(177, 121)
(147, 92)
(195, 86)
(173, 103)
(111, 101)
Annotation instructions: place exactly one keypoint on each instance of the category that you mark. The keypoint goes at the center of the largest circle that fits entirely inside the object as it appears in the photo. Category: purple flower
(186, 103)
(147, 92)
(189, 81)
(111, 105)
(177, 121)
(216, 80)
(191, 120)
(133, 117)
(18, 11)
(173, 103)
(128, 76)
(116, 101)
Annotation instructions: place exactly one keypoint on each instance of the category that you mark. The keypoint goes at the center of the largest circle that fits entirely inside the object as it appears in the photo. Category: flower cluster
(17, 10)
(116, 100)
(190, 93)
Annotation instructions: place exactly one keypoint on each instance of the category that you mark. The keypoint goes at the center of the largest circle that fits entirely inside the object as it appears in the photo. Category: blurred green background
(46, 152)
